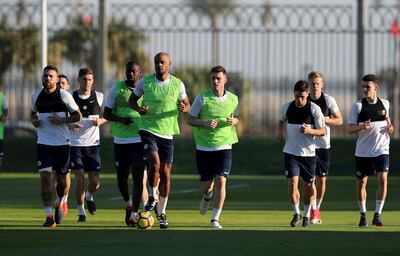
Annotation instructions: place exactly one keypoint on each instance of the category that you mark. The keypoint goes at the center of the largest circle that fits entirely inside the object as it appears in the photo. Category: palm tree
(213, 9)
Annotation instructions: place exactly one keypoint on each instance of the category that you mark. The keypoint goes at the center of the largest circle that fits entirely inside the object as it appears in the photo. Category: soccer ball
(143, 220)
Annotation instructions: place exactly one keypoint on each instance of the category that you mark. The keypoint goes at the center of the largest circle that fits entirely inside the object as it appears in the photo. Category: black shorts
(213, 163)
(127, 154)
(323, 159)
(164, 147)
(366, 166)
(87, 158)
(53, 158)
(300, 166)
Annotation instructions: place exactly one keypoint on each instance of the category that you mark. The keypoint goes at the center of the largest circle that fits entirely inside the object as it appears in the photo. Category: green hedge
(250, 156)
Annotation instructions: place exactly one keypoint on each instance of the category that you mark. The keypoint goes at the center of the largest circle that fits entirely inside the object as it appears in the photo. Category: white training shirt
(110, 103)
(88, 135)
(374, 141)
(197, 107)
(297, 143)
(139, 90)
(325, 141)
(48, 133)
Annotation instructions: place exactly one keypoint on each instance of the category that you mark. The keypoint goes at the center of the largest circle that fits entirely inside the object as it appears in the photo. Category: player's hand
(56, 119)
(127, 120)
(389, 128)
(36, 122)
(95, 121)
(75, 127)
(305, 128)
(181, 106)
(143, 110)
(212, 123)
(232, 120)
(367, 124)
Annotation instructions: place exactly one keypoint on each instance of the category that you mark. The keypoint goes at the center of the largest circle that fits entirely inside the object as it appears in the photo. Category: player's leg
(45, 162)
(382, 166)
(364, 166)
(151, 151)
(122, 166)
(76, 164)
(321, 172)
(292, 172)
(145, 193)
(92, 164)
(307, 173)
(61, 166)
(137, 188)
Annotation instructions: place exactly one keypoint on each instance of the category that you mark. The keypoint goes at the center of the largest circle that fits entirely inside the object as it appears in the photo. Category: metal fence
(269, 47)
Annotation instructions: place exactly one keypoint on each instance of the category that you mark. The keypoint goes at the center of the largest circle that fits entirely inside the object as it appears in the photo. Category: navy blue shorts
(213, 163)
(164, 147)
(127, 154)
(300, 166)
(53, 158)
(323, 158)
(87, 158)
(366, 166)
(1, 148)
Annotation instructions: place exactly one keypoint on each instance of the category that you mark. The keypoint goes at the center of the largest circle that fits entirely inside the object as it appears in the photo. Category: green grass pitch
(255, 219)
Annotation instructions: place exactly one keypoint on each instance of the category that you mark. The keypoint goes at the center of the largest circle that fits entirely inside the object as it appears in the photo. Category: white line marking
(187, 191)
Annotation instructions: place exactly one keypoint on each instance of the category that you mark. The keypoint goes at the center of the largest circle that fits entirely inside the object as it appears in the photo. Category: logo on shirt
(39, 163)
(84, 107)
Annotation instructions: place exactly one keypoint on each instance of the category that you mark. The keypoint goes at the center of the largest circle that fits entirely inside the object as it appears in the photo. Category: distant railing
(266, 48)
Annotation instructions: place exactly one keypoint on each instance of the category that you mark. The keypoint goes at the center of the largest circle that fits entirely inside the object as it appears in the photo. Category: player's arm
(99, 120)
(281, 129)
(335, 120)
(4, 116)
(306, 129)
(184, 105)
(355, 126)
(319, 119)
(133, 103)
(35, 119)
(108, 115)
(194, 121)
(389, 127)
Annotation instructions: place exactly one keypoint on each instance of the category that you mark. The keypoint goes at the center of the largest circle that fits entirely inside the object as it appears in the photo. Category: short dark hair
(131, 63)
(85, 71)
(50, 67)
(63, 76)
(301, 86)
(218, 69)
(370, 78)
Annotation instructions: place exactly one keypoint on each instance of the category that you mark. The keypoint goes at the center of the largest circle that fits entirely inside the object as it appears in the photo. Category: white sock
(133, 214)
(162, 205)
(153, 192)
(307, 209)
(64, 199)
(379, 206)
(314, 206)
(363, 206)
(48, 210)
(215, 214)
(296, 208)
(319, 201)
(81, 209)
(128, 203)
(89, 196)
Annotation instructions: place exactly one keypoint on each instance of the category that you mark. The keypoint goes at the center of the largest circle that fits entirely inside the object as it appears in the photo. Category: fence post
(360, 45)
(102, 48)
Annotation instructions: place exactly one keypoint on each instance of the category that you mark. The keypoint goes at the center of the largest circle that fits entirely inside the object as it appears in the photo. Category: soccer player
(369, 119)
(128, 148)
(52, 109)
(164, 95)
(85, 142)
(63, 82)
(3, 118)
(333, 117)
(213, 115)
(303, 120)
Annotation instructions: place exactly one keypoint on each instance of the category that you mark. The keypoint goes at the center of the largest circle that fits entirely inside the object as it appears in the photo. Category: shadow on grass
(198, 242)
